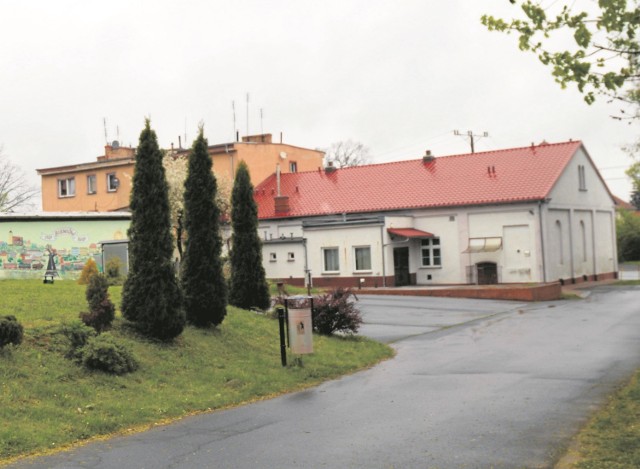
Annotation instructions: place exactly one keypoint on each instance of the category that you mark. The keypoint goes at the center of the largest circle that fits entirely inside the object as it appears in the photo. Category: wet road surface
(475, 384)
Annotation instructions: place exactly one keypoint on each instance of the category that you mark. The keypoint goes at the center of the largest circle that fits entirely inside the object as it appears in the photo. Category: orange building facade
(105, 185)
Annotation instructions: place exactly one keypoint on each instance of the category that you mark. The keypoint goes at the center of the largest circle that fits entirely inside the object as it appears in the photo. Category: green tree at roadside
(151, 297)
(203, 284)
(248, 286)
(628, 236)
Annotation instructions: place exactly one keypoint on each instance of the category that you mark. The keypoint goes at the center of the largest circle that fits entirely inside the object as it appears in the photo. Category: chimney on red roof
(330, 168)
(428, 157)
(282, 203)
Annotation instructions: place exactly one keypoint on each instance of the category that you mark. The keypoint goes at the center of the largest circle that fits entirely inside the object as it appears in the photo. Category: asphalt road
(475, 384)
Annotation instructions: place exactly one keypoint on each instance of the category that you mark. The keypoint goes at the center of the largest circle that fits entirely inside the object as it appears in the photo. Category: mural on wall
(25, 246)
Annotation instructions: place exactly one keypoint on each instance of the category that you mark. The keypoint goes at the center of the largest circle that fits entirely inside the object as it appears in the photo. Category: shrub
(104, 353)
(336, 312)
(102, 311)
(89, 270)
(112, 271)
(78, 335)
(11, 331)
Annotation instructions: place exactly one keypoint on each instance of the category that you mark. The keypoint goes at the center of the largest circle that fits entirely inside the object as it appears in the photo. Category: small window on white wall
(362, 256)
(331, 260)
(291, 256)
(273, 257)
(582, 179)
(431, 252)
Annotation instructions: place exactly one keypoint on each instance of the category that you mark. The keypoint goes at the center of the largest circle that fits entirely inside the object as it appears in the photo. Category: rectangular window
(331, 259)
(112, 182)
(582, 179)
(67, 187)
(91, 184)
(291, 256)
(273, 257)
(293, 167)
(431, 252)
(363, 258)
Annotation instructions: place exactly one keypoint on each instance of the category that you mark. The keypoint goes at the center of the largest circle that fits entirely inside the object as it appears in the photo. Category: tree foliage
(203, 284)
(248, 286)
(15, 191)
(603, 56)
(336, 312)
(347, 153)
(628, 236)
(150, 297)
(176, 171)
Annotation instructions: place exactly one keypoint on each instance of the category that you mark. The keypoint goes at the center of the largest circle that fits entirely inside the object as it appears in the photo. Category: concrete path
(505, 388)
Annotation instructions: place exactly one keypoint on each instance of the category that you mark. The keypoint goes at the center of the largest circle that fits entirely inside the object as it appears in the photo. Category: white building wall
(445, 227)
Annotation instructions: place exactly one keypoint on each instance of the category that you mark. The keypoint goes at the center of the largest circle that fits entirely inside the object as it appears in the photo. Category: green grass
(48, 402)
(626, 283)
(612, 439)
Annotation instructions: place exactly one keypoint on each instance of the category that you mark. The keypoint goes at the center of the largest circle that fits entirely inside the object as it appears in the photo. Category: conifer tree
(248, 285)
(151, 297)
(203, 284)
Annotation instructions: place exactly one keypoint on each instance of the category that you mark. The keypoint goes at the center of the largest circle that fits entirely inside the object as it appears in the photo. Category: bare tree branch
(347, 153)
(15, 191)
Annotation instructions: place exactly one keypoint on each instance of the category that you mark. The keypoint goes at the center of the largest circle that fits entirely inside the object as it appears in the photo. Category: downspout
(593, 245)
(384, 270)
(544, 253)
(306, 262)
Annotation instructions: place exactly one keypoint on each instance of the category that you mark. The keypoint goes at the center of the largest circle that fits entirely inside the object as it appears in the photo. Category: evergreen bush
(112, 271)
(203, 284)
(247, 286)
(151, 298)
(336, 312)
(89, 270)
(11, 331)
(106, 354)
(78, 335)
(102, 311)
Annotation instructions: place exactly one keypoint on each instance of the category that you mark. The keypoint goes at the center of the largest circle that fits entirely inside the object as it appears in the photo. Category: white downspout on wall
(543, 232)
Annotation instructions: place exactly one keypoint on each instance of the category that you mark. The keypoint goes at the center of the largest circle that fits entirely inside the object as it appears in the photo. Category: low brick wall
(539, 292)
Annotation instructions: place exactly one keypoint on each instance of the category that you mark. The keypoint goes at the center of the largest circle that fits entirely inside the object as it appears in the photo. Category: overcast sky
(399, 77)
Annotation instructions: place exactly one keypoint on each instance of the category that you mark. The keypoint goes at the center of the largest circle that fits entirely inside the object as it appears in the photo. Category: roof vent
(330, 168)
(115, 145)
(428, 157)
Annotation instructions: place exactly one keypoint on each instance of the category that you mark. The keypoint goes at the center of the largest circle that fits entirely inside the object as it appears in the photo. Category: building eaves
(112, 163)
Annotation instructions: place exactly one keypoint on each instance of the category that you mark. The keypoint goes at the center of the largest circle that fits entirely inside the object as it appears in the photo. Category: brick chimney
(282, 203)
(115, 151)
(261, 138)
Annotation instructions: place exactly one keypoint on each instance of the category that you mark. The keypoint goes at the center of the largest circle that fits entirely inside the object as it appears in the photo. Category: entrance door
(487, 273)
(401, 266)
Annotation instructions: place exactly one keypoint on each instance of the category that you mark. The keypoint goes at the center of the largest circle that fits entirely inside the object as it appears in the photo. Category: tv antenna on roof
(471, 136)
(106, 137)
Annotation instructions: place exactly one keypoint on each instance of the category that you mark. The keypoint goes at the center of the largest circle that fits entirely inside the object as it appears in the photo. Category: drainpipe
(571, 254)
(306, 260)
(544, 253)
(384, 270)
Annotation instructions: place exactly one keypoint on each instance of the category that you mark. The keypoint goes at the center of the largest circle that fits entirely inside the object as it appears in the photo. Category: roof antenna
(261, 129)
(471, 135)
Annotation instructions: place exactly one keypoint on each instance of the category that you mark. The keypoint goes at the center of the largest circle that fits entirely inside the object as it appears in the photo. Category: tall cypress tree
(203, 284)
(248, 285)
(151, 297)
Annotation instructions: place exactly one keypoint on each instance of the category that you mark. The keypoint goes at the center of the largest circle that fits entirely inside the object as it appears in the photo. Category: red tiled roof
(503, 176)
(409, 233)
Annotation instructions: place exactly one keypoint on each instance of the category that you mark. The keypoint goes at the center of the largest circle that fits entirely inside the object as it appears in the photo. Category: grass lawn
(611, 440)
(48, 402)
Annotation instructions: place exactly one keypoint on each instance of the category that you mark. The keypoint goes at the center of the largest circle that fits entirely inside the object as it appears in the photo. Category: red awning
(409, 233)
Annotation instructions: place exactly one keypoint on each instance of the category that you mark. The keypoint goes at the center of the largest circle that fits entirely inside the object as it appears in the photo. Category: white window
(273, 257)
(431, 252)
(112, 182)
(67, 187)
(293, 167)
(331, 259)
(362, 256)
(582, 180)
(291, 256)
(91, 184)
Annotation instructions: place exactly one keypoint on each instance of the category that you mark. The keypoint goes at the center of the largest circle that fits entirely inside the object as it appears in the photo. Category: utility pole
(471, 136)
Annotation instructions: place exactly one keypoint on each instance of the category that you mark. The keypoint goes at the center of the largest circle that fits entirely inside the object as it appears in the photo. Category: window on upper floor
(431, 252)
(291, 256)
(112, 182)
(91, 184)
(362, 256)
(67, 187)
(293, 167)
(582, 179)
(273, 257)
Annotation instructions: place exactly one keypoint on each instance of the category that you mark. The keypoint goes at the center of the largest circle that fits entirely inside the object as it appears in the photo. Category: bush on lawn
(336, 312)
(89, 270)
(112, 270)
(11, 331)
(78, 335)
(106, 354)
(102, 311)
